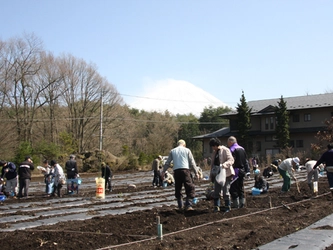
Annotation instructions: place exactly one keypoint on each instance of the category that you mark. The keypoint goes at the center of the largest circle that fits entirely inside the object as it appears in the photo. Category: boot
(180, 203)
(226, 207)
(241, 202)
(310, 186)
(217, 204)
(235, 203)
(188, 204)
(59, 192)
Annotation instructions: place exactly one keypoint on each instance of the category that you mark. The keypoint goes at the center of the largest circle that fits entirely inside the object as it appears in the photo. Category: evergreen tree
(244, 122)
(210, 119)
(282, 124)
(189, 127)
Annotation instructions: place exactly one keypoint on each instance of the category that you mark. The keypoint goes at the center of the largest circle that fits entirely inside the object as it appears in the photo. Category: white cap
(296, 160)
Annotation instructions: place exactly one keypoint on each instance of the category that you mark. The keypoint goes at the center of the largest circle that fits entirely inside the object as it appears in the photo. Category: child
(261, 184)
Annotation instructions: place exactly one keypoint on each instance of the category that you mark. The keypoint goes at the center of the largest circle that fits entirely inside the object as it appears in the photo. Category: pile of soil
(265, 218)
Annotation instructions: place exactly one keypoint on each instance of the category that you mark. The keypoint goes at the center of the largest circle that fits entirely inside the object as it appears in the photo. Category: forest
(52, 106)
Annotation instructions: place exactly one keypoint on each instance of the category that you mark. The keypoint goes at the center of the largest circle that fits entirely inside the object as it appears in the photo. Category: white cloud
(176, 96)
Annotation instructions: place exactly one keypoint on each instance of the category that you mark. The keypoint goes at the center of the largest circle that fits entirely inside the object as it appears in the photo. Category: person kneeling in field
(261, 184)
(168, 178)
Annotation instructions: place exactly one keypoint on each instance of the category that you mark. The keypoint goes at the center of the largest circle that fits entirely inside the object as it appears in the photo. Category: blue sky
(266, 48)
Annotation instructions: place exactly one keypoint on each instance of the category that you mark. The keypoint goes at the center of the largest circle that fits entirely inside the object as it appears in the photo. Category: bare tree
(20, 86)
(82, 96)
(51, 76)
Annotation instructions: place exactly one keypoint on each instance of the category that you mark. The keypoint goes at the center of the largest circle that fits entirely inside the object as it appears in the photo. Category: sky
(266, 48)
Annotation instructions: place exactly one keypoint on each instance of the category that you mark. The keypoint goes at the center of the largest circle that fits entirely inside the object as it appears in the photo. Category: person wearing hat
(107, 175)
(183, 161)
(286, 170)
(168, 179)
(327, 159)
(24, 173)
(71, 168)
(157, 173)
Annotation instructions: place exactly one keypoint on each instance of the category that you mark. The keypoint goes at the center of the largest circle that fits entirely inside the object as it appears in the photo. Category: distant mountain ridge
(178, 97)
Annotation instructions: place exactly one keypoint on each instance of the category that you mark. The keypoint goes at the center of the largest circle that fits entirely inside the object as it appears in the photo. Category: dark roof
(217, 133)
(293, 103)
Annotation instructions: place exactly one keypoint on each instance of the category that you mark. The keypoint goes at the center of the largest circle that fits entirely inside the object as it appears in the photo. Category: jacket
(224, 159)
(71, 168)
(11, 174)
(25, 169)
(182, 159)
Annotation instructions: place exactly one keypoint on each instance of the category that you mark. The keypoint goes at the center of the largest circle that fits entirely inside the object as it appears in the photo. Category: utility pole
(101, 125)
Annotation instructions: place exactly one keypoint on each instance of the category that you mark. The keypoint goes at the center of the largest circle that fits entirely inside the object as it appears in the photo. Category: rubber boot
(310, 186)
(217, 205)
(59, 191)
(180, 203)
(227, 207)
(235, 203)
(241, 202)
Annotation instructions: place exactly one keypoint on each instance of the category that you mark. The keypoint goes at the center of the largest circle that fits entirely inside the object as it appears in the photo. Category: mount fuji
(176, 96)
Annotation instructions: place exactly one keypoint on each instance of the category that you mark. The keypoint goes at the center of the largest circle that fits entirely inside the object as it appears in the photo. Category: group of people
(229, 166)
(161, 178)
(55, 178)
(20, 177)
(17, 177)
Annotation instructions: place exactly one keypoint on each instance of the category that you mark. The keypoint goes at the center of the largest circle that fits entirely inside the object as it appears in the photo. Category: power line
(169, 100)
(113, 118)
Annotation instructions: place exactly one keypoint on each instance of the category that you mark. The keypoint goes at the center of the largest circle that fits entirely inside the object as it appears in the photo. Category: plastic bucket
(255, 191)
(100, 188)
(165, 184)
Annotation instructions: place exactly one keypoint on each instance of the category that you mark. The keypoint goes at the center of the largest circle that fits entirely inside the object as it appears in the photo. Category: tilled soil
(264, 219)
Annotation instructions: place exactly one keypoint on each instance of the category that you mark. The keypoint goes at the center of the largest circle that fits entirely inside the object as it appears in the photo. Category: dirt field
(263, 220)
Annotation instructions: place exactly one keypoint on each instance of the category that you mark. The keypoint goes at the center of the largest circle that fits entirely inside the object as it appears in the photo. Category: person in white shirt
(312, 173)
(59, 178)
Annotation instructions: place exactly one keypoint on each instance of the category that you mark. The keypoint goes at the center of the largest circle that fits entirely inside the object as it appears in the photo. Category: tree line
(50, 107)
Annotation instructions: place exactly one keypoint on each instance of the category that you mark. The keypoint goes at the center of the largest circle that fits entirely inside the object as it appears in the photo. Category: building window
(307, 117)
(272, 151)
(266, 123)
(272, 123)
(296, 118)
(299, 143)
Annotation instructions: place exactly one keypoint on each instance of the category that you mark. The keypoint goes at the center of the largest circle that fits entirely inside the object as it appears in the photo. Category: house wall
(264, 136)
